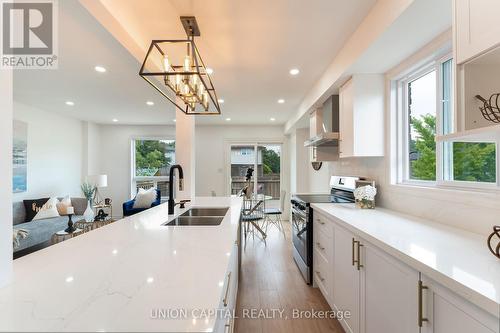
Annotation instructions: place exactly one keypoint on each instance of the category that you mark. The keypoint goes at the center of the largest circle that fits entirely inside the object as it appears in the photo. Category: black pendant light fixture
(175, 69)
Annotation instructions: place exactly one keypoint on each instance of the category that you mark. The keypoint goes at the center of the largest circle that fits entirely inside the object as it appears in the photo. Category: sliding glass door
(265, 160)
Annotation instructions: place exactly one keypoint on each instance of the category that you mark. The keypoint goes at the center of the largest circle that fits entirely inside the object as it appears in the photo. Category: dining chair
(253, 217)
(273, 215)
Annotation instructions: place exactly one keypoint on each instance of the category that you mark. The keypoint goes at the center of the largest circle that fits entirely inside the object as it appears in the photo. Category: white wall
(115, 157)
(476, 211)
(299, 172)
(91, 149)
(54, 153)
(212, 160)
(5, 176)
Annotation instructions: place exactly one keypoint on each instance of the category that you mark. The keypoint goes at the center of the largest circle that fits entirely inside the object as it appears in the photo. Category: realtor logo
(29, 34)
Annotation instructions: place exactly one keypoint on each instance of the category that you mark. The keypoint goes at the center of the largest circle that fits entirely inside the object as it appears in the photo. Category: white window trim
(255, 143)
(133, 177)
(401, 176)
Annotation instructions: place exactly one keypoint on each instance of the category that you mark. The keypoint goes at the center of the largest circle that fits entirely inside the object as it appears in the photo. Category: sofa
(40, 231)
(128, 207)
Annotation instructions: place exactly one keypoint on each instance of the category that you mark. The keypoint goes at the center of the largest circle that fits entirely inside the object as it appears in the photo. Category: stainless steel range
(342, 189)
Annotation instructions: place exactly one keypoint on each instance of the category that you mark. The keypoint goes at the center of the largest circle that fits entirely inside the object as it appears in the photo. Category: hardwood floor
(271, 280)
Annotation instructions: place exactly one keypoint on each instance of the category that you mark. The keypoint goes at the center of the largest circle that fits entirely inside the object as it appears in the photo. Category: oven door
(300, 237)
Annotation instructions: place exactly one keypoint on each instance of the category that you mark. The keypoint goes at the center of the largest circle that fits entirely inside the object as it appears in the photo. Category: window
(152, 159)
(425, 97)
(422, 123)
(265, 159)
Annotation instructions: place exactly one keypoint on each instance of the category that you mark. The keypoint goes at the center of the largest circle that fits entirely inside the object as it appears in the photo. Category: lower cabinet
(385, 295)
(346, 279)
(388, 290)
(229, 294)
(445, 312)
(379, 291)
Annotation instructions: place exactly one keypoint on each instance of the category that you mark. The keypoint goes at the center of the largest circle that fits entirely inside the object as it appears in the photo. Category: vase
(365, 204)
(88, 215)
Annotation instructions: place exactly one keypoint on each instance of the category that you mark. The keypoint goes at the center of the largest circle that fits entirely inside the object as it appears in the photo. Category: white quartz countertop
(458, 259)
(112, 278)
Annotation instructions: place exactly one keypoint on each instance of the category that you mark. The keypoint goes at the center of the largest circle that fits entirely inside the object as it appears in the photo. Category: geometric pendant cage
(176, 70)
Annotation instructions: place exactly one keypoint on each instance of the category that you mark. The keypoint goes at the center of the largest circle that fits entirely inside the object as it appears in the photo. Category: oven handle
(301, 231)
(299, 213)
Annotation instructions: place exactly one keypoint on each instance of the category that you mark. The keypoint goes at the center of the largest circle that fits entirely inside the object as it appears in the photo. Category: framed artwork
(19, 157)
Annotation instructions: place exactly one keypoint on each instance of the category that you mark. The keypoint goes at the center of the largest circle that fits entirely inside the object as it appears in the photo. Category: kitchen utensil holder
(490, 109)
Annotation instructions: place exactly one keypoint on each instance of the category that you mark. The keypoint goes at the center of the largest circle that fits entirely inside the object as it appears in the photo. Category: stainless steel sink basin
(206, 211)
(200, 216)
(196, 220)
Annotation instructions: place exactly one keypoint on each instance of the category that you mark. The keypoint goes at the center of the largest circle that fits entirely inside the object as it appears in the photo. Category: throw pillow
(145, 198)
(62, 206)
(49, 210)
(32, 207)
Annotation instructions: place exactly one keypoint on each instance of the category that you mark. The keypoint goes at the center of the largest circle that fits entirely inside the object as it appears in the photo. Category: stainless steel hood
(324, 139)
(324, 124)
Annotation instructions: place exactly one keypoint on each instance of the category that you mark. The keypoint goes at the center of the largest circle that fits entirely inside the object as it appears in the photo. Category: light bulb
(205, 99)
(194, 82)
(201, 90)
(177, 83)
(187, 64)
(185, 89)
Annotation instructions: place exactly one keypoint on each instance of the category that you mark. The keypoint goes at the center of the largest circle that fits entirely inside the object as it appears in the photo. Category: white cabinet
(361, 116)
(476, 27)
(323, 256)
(388, 293)
(379, 291)
(445, 312)
(229, 295)
(346, 279)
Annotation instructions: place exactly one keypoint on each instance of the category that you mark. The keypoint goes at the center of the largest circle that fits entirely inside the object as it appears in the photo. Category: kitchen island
(132, 275)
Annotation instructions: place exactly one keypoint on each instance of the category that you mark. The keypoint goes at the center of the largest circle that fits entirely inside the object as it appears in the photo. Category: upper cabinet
(361, 116)
(476, 27)
(477, 81)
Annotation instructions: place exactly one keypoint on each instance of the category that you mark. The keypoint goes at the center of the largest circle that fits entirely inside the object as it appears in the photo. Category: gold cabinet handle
(320, 222)
(421, 318)
(354, 251)
(358, 261)
(319, 275)
(226, 294)
(319, 246)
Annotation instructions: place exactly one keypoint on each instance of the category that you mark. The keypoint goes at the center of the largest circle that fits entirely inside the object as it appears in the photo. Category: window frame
(133, 178)
(402, 171)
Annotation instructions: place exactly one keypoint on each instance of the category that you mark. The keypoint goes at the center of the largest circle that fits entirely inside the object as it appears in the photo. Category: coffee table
(62, 235)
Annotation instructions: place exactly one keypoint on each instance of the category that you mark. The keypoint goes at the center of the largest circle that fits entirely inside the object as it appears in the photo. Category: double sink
(199, 216)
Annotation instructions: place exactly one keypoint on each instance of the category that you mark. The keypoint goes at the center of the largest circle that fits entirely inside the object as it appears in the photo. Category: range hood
(324, 124)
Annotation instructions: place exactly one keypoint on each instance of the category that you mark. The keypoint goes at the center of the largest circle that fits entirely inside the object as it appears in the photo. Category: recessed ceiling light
(281, 101)
(220, 100)
(69, 279)
(70, 103)
(210, 71)
(174, 120)
(272, 119)
(228, 119)
(294, 71)
(115, 120)
(100, 69)
(150, 280)
(150, 103)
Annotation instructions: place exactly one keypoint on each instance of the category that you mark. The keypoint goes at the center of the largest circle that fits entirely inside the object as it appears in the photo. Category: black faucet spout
(171, 201)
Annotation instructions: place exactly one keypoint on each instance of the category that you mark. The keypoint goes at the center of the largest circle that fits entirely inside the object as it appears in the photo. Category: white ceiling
(100, 97)
(251, 45)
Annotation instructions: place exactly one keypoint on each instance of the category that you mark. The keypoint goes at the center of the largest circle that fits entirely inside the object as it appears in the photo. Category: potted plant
(88, 191)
